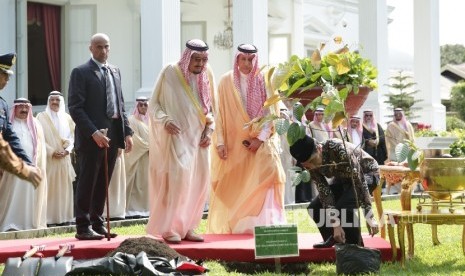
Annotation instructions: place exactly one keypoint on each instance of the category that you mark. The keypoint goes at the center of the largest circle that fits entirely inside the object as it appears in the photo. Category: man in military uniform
(12, 156)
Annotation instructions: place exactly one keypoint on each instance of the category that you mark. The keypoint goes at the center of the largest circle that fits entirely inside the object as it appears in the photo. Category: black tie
(110, 105)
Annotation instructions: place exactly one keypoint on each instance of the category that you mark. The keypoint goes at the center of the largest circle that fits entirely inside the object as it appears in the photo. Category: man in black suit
(96, 105)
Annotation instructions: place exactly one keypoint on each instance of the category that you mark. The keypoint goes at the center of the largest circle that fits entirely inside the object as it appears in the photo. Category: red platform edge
(239, 248)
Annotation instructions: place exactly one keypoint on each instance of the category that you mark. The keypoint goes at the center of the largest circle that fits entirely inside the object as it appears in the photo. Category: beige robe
(60, 173)
(137, 170)
(394, 135)
(23, 207)
(117, 189)
(247, 187)
(179, 169)
(318, 132)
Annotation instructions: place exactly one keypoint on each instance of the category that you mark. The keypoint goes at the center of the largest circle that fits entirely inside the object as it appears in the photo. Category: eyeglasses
(143, 104)
(368, 115)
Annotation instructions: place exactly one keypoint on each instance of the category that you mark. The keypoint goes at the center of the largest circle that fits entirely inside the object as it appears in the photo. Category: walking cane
(106, 187)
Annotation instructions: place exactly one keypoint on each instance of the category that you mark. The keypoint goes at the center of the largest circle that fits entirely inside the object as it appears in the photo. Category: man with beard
(397, 131)
(24, 207)
(181, 126)
(373, 134)
(355, 131)
(59, 139)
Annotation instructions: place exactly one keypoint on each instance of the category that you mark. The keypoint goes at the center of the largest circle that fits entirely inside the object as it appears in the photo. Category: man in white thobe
(137, 163)
(355, 131)
(59, 140)
(23, 207)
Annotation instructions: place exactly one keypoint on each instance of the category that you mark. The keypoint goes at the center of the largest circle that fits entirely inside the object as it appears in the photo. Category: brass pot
(443, 178)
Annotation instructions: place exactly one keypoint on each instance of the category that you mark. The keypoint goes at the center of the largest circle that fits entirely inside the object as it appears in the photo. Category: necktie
(108, 90)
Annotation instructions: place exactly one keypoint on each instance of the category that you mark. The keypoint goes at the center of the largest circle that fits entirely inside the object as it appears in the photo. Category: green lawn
(444, 259)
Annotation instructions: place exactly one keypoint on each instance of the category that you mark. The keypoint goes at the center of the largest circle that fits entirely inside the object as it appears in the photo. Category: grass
(444, 259)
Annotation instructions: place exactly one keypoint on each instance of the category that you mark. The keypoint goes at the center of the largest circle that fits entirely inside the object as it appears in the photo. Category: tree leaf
(402, 151)
(272, 100)
(305, 176)
(297, 179)
(282, 125)
(298, 111)
(295, 132)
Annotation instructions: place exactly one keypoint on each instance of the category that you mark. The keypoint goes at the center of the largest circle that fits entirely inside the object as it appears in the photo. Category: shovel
(24, 265)
(57, 265)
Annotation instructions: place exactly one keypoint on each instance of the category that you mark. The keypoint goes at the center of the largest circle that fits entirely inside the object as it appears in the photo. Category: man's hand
(222, 152)
(254, 144)
(129, 143)
(34, 176)
(205, 139)
(339, 235)
(373, 227)
(101, 139)
(172, 128)
(60, 154)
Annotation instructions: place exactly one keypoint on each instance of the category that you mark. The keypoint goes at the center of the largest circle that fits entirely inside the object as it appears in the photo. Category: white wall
(120, 20)
(214, 13)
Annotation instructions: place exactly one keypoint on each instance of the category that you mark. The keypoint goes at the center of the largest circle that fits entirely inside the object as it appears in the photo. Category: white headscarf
(323, 124)
(59, 118)
(29, 121)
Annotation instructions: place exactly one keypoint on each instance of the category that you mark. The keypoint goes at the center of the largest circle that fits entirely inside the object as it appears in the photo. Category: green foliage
(457, 148)
(452, 54)
(347, 68)
(457, 98)
(426, 133)
(300, 176)
(402, 94)
(409, 152)
(425, 261)
(454, 123)
(295, 132)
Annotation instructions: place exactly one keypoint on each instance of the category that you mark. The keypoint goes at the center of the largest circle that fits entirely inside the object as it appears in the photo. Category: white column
(8, 43)
(160, 39)
(298, 29)
(373, 37)
(427, 63)
(250, 25)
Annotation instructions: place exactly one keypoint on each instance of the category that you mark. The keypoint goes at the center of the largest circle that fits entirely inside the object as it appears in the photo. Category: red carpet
(216, 247)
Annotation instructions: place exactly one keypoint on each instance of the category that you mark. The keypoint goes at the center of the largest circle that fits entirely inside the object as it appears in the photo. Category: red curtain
(49, 17)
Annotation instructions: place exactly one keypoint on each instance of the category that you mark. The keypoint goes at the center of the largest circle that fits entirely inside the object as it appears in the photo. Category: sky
(451, 21)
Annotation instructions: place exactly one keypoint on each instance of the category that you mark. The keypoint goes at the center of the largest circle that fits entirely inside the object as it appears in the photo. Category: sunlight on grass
(444, 259)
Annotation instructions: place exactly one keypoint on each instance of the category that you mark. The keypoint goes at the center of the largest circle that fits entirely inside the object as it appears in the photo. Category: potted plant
(331, 80)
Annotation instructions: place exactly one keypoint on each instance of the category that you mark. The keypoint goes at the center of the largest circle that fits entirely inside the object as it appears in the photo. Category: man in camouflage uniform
(12, 156)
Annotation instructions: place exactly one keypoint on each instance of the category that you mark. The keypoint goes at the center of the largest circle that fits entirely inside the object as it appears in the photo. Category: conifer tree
(402, 94)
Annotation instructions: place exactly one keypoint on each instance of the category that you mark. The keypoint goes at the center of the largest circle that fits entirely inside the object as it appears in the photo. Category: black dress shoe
(88, 235)
(326, 244)
(103, 231)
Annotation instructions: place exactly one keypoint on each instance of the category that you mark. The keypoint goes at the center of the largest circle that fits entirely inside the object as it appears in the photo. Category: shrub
(454, 123)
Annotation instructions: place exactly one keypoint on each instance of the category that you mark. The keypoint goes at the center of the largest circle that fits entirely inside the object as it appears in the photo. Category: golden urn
(443, 178)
